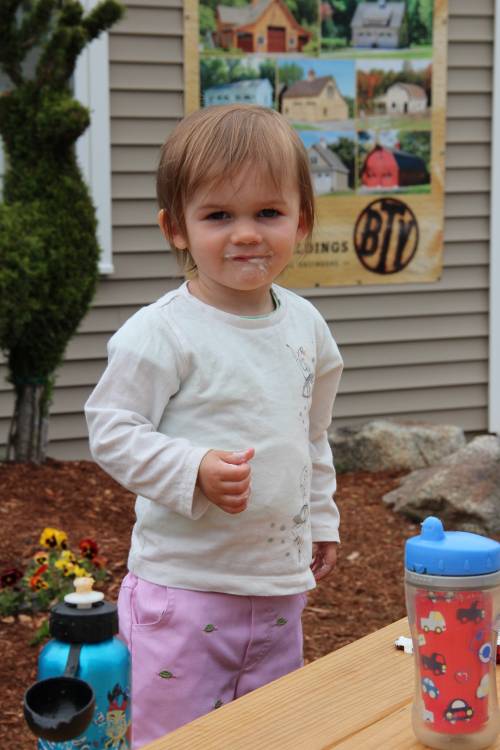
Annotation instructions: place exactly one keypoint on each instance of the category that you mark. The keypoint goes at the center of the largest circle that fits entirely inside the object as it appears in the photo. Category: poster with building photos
(363, 82)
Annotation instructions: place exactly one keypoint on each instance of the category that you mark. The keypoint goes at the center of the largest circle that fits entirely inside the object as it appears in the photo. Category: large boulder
(385, 444)
(463, 490)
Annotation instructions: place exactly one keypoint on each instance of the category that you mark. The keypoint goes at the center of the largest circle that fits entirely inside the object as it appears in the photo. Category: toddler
(214, 410)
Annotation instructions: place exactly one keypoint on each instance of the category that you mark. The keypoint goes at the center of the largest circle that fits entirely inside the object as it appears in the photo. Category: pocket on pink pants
(151, 604)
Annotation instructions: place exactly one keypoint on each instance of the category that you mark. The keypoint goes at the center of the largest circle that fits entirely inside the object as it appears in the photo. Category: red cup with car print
(452, 585)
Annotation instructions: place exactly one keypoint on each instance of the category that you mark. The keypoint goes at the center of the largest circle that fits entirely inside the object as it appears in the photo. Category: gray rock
(463, 490)
(385, 444)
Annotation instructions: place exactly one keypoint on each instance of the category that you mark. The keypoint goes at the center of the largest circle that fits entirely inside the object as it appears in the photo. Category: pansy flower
(53, 538)
(67, 555)
(66, 566)
(88, 548)
(36, 580)
(9, 577)
(41, 557)
(78, 571)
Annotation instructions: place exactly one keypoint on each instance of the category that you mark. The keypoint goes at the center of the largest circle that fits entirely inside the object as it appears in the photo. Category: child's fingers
(325, 557)
(236, 488)
(230, 473)
(235, 504)
(237, 457)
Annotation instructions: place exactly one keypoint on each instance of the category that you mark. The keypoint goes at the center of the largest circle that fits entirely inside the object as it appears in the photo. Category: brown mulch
(363, 594)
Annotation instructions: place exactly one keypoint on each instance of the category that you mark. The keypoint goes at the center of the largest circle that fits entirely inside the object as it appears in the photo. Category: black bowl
(59, 708)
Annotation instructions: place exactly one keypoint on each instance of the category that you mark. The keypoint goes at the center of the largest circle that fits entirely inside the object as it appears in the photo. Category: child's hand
(324, 559)
(224, 478)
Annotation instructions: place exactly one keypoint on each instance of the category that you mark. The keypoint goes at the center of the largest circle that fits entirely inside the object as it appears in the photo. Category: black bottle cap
(90, 625)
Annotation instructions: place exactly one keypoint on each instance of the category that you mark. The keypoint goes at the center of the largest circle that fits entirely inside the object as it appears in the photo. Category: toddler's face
(242, 232)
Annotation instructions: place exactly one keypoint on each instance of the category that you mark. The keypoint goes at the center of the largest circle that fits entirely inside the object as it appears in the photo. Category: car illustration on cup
(429, 687)
(434, 622)
(435, 662)
(458, 710)
(470, 614)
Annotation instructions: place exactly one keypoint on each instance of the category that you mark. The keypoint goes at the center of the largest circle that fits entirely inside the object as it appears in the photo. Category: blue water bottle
(86, 652)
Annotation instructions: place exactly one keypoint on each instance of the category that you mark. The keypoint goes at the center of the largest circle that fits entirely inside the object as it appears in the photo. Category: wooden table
(356, 697)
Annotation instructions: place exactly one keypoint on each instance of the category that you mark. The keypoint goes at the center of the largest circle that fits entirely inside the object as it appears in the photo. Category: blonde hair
(217, 143)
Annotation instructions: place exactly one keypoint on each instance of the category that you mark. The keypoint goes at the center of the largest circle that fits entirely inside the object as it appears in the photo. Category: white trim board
(494, 328)
(93, 150)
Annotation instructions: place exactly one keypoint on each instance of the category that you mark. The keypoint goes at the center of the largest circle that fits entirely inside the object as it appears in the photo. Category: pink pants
(193, 651)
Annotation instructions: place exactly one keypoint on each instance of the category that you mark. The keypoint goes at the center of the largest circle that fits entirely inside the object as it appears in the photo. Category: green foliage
(207, 21)
(346, 151)
(418, 144)
(333, 44)
(289, 73)
(420, 16)
(349, 100)
(343, 11)
(304, 11)
(48, 248)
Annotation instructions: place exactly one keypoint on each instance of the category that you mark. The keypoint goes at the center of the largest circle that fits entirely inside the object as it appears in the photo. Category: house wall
(418, 351)
(261, 95)
(340, 181)
(316, 108)
(274, 16)
(372, 36)
(396, 98)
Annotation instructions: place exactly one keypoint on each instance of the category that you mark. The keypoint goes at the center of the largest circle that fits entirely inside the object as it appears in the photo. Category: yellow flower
(53, 538)
(65, 565)
(67, 555)
(78, 571)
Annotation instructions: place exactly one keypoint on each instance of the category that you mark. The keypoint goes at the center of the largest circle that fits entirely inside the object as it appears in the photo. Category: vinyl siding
(411, 351)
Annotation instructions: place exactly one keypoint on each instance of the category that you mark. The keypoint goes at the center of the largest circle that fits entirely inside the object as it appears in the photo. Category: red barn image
(387, 169)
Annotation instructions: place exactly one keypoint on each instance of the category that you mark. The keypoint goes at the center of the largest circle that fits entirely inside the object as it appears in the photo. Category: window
(91, 88)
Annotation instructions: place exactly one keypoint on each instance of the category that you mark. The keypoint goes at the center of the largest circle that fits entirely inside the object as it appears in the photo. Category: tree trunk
(29, 427)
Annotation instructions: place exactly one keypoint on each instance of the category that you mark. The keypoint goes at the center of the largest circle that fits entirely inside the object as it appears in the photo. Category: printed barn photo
(332, 158)
(377, 26)
(394, 94)
(239, 80)
(262, 26)
(394, 161)
(317, 94)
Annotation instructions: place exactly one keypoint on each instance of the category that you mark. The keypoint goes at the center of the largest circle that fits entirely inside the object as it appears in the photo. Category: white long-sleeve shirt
(183, 378)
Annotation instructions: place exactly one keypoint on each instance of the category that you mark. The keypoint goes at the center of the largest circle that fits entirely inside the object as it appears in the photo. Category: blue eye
(269, 213)
(218, 216)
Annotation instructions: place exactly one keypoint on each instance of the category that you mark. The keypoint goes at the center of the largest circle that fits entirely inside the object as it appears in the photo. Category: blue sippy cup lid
(450, 553)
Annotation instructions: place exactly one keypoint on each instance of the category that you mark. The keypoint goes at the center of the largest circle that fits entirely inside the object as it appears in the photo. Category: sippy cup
(452, 585)
(82, 696)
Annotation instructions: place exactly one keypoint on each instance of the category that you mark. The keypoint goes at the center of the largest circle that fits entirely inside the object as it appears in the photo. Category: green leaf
(281, 621)
(209, 628)
(166, 675)
(41, 634)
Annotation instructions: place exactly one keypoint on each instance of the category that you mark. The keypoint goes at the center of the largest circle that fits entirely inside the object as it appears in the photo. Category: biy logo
(386, 236)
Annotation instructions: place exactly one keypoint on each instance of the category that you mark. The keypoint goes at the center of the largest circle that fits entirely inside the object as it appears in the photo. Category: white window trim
(93, 148)
(494, 343)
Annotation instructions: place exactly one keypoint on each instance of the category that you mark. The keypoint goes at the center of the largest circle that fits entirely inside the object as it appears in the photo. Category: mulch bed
(363, 594)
